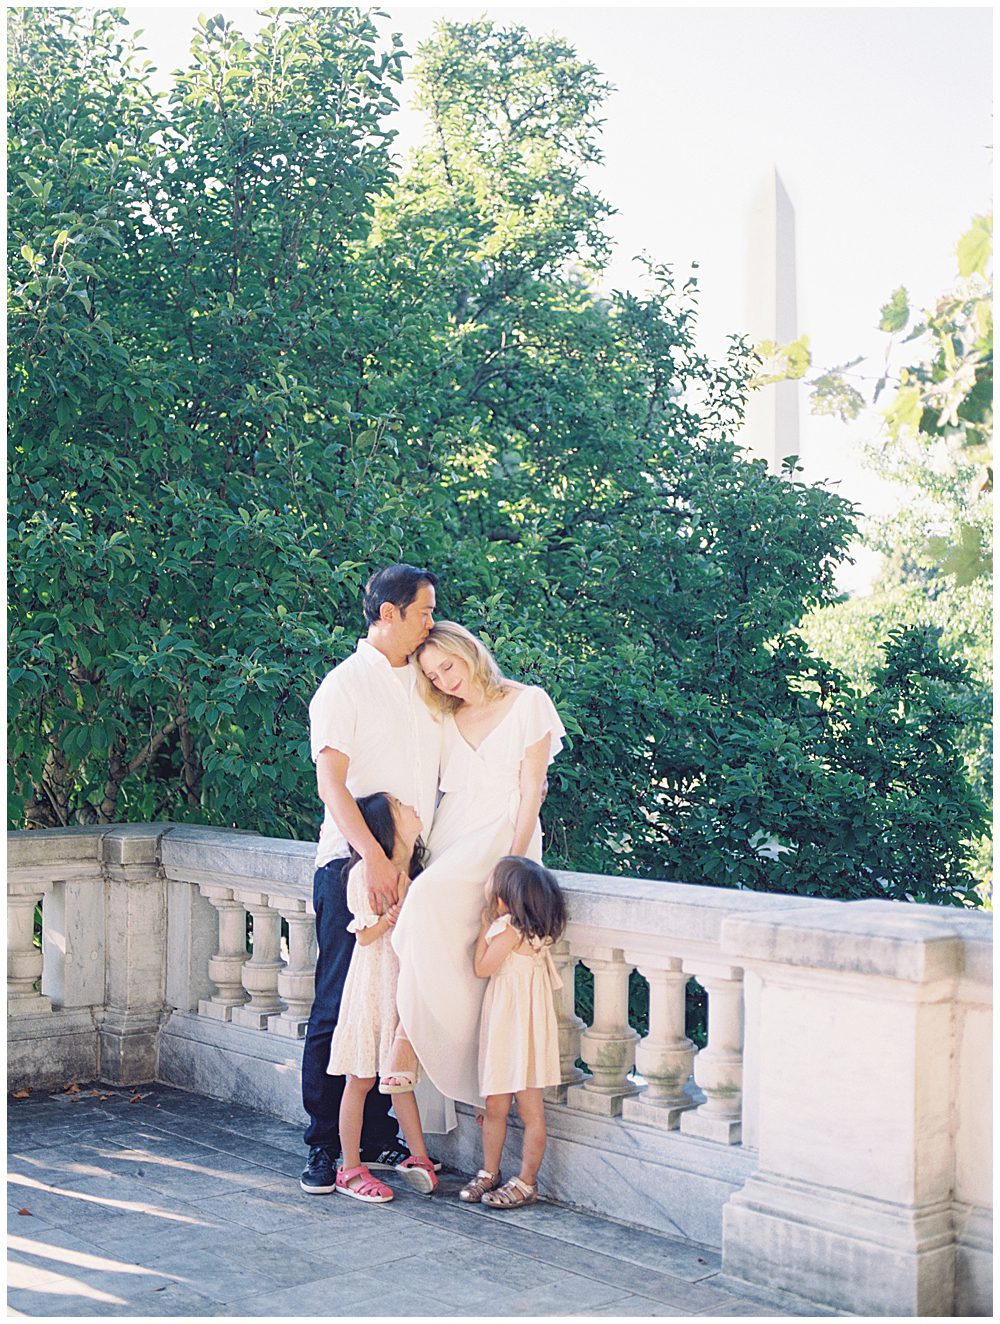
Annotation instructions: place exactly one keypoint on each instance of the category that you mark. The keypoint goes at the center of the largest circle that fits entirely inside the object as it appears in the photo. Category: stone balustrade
(832, 1135)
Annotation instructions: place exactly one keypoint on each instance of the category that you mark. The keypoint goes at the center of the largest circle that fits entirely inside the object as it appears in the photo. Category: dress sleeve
(357, 901)
(332, 718)
(454, 773)
(497, 927)
(540, 717)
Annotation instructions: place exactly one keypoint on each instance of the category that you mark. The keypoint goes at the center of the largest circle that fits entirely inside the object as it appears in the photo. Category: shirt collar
(371, 654)
(375, 658)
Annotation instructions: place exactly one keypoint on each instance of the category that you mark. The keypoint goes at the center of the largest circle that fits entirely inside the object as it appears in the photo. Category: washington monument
(771, 430)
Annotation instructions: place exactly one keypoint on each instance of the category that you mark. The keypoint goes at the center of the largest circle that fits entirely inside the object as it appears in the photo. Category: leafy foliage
(250, 360)
(946, 396)
(937, 547)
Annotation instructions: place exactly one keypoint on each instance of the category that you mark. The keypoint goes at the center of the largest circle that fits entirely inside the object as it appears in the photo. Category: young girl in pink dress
(367, 1042)
(518, 1038)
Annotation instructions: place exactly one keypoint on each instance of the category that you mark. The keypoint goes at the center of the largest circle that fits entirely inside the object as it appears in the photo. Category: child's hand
(484, 920)
(392, 914)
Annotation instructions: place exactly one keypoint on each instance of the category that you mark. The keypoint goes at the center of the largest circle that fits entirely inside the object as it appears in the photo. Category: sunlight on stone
(162, 1161)
(79, 1259)
(132, 1206)
(72, 1168)
(55, 1284)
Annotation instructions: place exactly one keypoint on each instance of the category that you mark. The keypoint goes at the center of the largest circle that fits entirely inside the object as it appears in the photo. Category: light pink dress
(519, 1032)
(366, 1024)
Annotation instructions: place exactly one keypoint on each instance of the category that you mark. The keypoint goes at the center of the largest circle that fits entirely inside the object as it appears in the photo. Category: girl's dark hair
(376, 810)
(531, 894)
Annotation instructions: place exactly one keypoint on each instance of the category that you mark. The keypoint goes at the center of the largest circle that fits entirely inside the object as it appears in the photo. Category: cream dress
(367, 1021)
(440, 998)
(518, 1033)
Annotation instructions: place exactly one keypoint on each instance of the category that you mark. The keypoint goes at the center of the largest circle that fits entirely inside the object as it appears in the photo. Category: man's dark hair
(398, 584)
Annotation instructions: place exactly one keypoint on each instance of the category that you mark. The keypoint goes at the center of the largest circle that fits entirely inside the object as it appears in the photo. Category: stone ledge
(683, 912)
(912, 943)
(850, 937)
(243, 857)
(54, 846)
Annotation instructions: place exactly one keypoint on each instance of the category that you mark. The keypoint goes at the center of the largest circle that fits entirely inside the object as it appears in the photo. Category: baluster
(608, 1047)
(24, 960)
(570, 1024)
(260, 973)
(718, 1068)
(666, 1055)
(226, 966)
(297, 981)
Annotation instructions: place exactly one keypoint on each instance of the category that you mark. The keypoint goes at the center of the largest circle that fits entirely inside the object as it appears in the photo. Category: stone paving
(155, 1202)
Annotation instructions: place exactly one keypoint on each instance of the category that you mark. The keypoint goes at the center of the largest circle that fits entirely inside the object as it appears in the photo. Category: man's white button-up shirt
(373, 713)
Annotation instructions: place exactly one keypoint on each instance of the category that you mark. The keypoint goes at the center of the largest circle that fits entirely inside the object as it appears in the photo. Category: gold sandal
(512, 1195)
(473, 1191)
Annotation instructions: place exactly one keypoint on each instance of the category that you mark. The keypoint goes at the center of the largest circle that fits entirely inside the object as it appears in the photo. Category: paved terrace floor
(160, 1203)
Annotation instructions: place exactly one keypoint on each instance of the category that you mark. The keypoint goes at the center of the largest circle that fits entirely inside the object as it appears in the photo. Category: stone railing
(832, 1135)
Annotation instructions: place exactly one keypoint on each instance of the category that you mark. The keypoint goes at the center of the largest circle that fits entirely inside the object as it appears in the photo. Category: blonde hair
(457, 641)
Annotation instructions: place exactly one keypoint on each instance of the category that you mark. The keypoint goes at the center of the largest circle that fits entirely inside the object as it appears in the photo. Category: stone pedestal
(297, 980)
(128, 1027)
(24, 960)
(718, 1068)
(225, 968)
(570, 1025)
(608, 1046)
(851, 1202)
(261, 972)
(665, 1056)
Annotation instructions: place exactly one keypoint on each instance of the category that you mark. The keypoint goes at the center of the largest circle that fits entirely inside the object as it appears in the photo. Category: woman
(499, 738)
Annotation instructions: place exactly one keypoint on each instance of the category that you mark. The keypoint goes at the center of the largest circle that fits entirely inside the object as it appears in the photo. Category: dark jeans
(321, 1093)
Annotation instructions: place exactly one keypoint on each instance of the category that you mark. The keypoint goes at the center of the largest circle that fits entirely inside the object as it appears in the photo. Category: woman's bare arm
(532, 782)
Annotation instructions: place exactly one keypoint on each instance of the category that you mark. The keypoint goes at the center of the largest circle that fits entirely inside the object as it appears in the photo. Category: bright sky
(878, 119)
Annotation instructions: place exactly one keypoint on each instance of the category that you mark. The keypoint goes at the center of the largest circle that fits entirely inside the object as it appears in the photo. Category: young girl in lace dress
(518, 1042)
(366, 1042)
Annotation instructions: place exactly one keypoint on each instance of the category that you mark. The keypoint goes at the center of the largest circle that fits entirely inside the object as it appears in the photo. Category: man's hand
(382, 880)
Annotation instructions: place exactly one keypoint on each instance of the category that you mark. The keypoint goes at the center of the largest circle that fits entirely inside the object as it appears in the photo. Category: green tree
(937, 547)
(301, 364)
(180, 329)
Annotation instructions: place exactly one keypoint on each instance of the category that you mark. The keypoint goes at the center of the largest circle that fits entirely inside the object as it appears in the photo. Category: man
(369, 731)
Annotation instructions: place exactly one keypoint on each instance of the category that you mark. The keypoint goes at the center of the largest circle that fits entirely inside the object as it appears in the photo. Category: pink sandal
(419, 1174)
(369, 1189)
